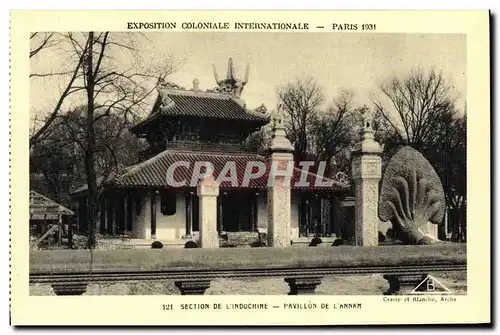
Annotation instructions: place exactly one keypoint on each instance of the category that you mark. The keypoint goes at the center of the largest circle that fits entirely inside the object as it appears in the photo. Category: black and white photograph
(251, 160)
(127, 125)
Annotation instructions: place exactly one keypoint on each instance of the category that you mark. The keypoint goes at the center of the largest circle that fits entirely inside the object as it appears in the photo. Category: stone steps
(239, 239)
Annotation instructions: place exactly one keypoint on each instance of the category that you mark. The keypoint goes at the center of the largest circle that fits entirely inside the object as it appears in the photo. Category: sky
(356, 61)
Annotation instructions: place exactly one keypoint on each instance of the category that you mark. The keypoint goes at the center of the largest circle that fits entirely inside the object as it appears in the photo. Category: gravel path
(342, 285)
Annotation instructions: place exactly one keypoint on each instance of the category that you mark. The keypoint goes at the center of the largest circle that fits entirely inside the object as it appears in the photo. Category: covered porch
(172, 216)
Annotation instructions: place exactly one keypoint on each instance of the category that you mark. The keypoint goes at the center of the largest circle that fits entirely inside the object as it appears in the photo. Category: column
(278, 189)
(126, 218)
(129, 213)
(366, 172)
(59, 230)
(153, 215)
(220, 214)
(189, 212)
(253, 212)
(116, 208)
(109, 213)
(102, 215)
(208, 191)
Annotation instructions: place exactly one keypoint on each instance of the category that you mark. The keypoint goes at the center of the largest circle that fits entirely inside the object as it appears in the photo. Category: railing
(404, 267)
(211, 147)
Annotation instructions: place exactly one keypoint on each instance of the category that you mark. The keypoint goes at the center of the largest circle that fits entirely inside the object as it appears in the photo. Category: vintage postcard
(250, 167)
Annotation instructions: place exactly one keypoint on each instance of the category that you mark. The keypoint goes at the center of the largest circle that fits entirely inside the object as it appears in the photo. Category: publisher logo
(430, 285)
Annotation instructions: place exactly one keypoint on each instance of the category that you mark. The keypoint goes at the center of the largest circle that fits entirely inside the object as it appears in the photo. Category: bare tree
(331, 130)
(416, 101)
(42, 41)
(115, 80)
(300, 102)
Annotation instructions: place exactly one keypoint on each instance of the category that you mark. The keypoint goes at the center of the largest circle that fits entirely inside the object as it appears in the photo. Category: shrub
(156, 245)
(191, 244)
(315, 242)
(338, 242)
(381, 237)
(258, 244)
(79, 242)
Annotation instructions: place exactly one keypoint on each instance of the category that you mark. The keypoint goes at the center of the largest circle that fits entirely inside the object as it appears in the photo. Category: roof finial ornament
(279, 140)
(366, 116)
(231, 84)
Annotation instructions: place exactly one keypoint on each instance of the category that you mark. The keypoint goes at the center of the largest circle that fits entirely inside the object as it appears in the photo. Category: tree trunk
(89, 154)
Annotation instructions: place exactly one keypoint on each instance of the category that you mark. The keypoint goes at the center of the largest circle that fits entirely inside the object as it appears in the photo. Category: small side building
(48, 217)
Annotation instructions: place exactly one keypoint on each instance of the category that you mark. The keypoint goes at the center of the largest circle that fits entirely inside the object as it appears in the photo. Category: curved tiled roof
(153, 172)
(203, 105)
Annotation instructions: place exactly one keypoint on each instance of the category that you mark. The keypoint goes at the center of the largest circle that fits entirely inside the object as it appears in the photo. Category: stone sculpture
(411, 195)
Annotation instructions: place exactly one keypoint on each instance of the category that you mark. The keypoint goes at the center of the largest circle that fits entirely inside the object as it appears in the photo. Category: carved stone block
(302, 285)
(69, 288)
(193, 287)
(367, 167)
(403, 284)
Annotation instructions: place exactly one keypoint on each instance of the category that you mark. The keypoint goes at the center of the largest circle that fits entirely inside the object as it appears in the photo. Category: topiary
(315, 242)
(258, 244)
(156, 245)
(338, 242)
(191, 244)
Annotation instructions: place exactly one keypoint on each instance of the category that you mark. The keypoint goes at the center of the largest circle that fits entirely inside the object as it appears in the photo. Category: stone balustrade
(69, 272)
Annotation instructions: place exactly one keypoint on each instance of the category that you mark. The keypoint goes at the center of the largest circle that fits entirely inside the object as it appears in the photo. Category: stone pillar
(366, 172)
(279, 189)
(153, 214)
(208, 191)
(189, 212)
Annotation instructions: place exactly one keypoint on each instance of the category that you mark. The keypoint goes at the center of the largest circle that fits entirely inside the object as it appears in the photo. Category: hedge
(47, 261)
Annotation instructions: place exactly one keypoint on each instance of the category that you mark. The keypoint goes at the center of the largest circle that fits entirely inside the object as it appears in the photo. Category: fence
(69, 272)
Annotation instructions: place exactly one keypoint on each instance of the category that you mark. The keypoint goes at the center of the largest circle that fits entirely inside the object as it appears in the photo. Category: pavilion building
(191, 125)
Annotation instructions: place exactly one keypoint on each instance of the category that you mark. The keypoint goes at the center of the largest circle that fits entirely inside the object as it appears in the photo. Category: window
(168, 203)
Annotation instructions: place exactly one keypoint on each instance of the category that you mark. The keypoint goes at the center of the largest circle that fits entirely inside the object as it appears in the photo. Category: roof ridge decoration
(231, 85)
